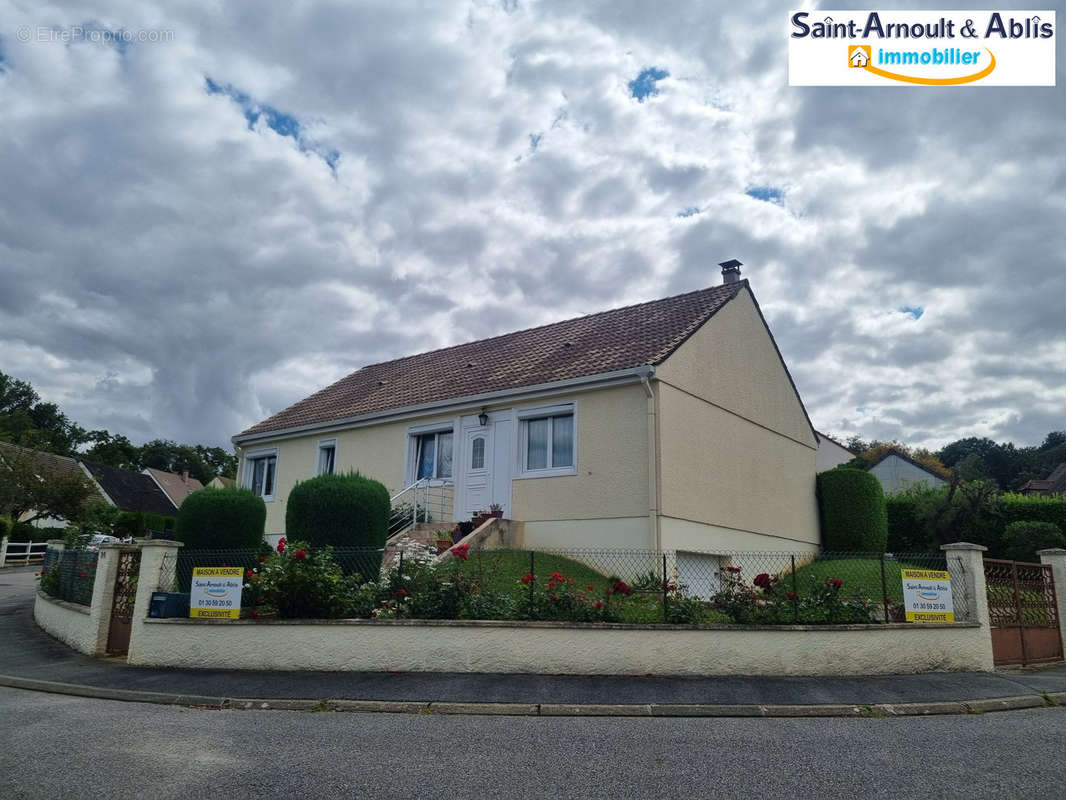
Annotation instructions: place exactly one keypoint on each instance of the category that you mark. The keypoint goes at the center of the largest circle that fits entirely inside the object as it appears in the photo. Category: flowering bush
(298, 585)
(767, 602)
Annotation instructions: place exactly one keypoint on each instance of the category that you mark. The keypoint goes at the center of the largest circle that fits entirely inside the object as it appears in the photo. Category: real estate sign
(927, 595)
(216, 592)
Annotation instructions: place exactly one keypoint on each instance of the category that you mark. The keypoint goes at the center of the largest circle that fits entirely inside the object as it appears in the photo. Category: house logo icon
(858, 55)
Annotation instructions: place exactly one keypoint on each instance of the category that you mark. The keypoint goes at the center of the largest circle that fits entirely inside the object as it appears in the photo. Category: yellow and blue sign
(216, 592)
(927, 595)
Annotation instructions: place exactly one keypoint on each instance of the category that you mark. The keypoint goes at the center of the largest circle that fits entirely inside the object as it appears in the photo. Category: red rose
(527, 578)
(791, 595)
(402, 593)
(597, 605)
(249, 573)
(461, 551)
(300, 555)
(591, 588)
(281, 544)
(552, 584)
(836, 583)
(763, 581)
(262, 559)
(733, 569)
(672, 587)
(557, 577)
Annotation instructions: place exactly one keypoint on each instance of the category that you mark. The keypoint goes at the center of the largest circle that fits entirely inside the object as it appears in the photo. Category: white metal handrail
(424, 500)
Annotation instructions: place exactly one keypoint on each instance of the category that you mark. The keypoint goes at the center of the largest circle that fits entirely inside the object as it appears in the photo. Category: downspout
(653, 466)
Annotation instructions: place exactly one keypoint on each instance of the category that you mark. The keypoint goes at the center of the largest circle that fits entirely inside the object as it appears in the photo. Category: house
(831, 453)
(898, 472)
(175, 487)
(43, 465)
(128, 490)
(1054, 484)
(221, 482)
(859, 57)
(672, 424)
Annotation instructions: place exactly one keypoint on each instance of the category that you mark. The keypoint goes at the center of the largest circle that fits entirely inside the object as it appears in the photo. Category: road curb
(663, 710)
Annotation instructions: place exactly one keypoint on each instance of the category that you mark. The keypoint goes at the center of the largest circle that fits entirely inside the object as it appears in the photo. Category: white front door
(486, 465)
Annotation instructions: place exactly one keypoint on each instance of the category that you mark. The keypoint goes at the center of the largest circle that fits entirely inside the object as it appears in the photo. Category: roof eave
(583, 383)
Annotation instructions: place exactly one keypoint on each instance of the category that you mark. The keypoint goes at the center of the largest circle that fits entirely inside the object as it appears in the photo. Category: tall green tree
(35, 487)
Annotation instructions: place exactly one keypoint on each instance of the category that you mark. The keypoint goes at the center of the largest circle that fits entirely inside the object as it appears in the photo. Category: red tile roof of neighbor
(176, 487)
(1055, 483)
(622, 338)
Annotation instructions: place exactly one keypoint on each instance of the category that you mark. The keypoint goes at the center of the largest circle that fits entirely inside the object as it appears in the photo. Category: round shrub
(1022, 540)
(340, 510)
(221, 519)
(852, 510)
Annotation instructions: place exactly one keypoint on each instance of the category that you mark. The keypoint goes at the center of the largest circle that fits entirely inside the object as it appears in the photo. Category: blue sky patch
(688, 212)
(771, 194)
(281, 122)
(914, 311)
(644, 84)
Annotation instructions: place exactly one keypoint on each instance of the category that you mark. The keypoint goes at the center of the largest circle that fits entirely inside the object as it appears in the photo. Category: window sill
(558, 472)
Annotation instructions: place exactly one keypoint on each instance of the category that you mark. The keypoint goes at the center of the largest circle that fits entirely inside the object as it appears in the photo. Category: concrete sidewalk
(29, 658)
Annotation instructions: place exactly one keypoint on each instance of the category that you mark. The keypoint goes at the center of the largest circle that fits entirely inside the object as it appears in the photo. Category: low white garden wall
(559, 648)
(68, 622)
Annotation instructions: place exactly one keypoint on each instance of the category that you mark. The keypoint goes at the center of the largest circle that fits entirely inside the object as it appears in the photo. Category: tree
(173, 457)
(35, 486)
(25, 420)
(114, 450)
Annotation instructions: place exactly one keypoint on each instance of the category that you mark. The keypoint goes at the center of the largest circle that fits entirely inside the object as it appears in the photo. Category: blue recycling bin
(164, 605)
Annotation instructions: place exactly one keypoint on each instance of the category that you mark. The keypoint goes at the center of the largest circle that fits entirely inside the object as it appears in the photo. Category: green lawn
(861, 577)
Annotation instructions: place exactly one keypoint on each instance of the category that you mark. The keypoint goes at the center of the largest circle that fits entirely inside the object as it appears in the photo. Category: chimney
(730, 271)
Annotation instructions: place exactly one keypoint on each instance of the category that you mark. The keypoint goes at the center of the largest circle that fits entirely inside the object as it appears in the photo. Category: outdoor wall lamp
(483, 418)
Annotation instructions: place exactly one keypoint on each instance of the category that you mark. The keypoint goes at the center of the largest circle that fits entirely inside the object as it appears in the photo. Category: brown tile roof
(1053, 484)
(176, 487)
(619, 339)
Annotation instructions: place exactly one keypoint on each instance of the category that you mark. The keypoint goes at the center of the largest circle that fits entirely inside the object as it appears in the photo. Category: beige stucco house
(672, 425)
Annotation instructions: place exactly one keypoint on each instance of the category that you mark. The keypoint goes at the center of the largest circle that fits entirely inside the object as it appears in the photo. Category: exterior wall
(68, 622)
(377, 451)
(624, 533)
(737, 456)
(557, 648)
(831, 454)
(612, 462)
(896, 474)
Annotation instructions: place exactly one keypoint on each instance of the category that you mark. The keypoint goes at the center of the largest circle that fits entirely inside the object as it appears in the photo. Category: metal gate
(118, 633)
(1023, 612)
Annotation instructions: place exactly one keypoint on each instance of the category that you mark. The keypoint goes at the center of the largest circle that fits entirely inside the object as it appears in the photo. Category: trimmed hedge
(25, 532)
(906, 533)
(134, 523)
(340, 510)
(851, 506)
(221, 519)
(5, 527)
(1022, 540)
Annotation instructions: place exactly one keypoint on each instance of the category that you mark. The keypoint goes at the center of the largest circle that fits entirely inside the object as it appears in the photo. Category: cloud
(198, 231)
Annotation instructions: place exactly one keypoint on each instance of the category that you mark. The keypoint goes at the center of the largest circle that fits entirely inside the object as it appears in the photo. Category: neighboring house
(672, 424)
(221, 482)
(831, 453)
(1054, 484)
(128, 490)
(45, 464)
(175, 487)
(897, 472)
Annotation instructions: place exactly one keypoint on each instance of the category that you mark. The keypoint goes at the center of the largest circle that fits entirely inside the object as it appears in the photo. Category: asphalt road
(65, 747)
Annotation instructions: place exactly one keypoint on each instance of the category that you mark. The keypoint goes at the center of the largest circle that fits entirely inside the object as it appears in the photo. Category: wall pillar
(158, 556)
(104, 594)
(966, 565)
(1056, 557)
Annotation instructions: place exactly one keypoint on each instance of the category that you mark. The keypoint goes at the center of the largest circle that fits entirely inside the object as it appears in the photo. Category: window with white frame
(546, 442)
(433, 455)
(260, 473)
(327, 456)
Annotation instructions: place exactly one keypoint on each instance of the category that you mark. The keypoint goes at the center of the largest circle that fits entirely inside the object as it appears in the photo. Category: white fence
(21, 552)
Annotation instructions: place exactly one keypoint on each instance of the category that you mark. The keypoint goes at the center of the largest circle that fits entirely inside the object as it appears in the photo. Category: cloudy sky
(202, 227)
